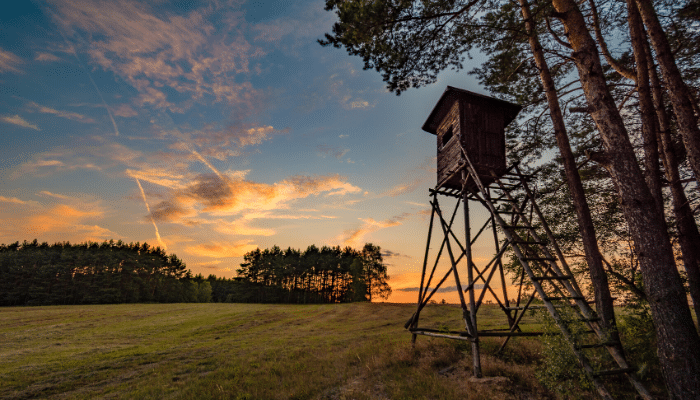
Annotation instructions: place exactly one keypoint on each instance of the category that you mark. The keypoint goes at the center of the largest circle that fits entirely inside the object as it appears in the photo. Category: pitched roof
(451, 94)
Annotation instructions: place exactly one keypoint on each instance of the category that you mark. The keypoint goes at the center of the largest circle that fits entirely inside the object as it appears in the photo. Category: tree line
(613, 88)
(316, 275)
(33, 273)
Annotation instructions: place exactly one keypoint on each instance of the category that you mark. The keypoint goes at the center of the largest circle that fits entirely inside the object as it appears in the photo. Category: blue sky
(209, 129)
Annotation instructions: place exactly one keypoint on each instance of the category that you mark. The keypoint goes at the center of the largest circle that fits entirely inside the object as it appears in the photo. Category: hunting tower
(478, 122)
(471, 168)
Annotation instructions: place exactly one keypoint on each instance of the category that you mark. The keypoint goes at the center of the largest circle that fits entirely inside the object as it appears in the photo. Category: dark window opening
(447, 136)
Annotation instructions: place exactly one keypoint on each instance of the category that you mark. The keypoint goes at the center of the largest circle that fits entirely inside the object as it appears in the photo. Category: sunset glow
(209, 129)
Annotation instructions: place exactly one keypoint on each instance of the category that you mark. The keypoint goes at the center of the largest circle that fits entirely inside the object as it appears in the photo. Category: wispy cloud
(9, 62)
(327, 150)
(355, 237)
(444, 289)
(13, 200)
(186, 52)
(32, 106)
(392, 254)
(46, 57)
(349, 97)
(19, 121)
(415, 178)
(229, 141)
(290, 33)
(56, 195)
(124, 110)
(56, 160)
(159, 176)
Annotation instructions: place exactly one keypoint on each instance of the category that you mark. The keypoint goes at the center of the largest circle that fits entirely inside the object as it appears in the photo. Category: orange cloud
(159, 177)
(402, 188)
(240, 227)
(225, 194)
(59, 217)
(221, 250)
(60, 222)
(355, 237)
(229, 193)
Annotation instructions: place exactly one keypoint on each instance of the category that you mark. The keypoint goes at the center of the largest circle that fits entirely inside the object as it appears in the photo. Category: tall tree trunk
(688, 235)
(678, 344)
(646, 106)
(677, 89)
(599, 279)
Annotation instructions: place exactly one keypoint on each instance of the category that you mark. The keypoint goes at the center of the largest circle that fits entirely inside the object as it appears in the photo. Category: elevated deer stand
(472, 167)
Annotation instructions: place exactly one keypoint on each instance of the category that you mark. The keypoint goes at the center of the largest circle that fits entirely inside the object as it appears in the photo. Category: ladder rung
(522, 308)
(593, 319)
(508, 175)
(507, 333)
(516, 227)
(538, 259)
(537, 307)
(564, 298)
(542, 278)
(596, 345)
(615, 371)
(526, 242)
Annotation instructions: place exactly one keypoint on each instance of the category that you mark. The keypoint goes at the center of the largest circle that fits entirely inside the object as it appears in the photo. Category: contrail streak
(143, 194)
(202, 159)
(87, 71)
(104, 103)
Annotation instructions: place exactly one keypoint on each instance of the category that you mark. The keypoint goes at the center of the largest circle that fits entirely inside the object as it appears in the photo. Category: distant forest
(33, 273)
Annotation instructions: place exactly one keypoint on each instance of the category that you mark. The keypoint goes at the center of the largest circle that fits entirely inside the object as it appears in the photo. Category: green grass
(249, 351)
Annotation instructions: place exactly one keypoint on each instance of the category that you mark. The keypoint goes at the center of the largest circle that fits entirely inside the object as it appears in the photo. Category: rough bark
(678, 91)
(646, 106)
(599, 279)
(628, 73)
(678, 344)
(688, 234)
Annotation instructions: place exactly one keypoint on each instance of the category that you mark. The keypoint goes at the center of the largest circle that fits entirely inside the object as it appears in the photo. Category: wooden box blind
(473, 123)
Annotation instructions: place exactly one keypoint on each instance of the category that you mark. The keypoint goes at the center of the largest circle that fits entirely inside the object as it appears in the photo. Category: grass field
(249, 351)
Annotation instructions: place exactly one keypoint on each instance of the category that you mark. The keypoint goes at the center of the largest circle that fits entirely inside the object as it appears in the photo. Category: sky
(209, 129)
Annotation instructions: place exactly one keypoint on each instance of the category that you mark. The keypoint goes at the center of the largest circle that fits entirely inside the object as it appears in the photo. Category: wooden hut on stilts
(472, 168)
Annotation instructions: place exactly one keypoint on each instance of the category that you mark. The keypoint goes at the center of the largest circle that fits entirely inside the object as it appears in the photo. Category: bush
(560, 370)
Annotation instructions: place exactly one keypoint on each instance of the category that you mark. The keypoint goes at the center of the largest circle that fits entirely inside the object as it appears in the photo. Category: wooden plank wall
(449, 156)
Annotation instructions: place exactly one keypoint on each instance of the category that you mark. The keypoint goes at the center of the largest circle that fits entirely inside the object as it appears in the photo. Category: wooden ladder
(545, 265)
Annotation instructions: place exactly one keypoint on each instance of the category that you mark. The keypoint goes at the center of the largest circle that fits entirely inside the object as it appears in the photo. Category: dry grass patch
(247, 351)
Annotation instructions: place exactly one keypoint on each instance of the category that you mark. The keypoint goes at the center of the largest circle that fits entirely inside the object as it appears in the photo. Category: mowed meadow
(252, 351)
